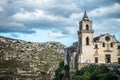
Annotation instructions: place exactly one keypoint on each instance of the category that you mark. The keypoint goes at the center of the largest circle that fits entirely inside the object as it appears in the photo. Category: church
(103, 49)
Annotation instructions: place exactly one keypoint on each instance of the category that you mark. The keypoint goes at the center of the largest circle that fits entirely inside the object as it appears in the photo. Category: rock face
(21, 60)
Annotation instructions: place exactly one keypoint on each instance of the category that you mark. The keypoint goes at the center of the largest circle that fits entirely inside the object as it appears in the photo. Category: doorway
(96, 59)
(107, 58)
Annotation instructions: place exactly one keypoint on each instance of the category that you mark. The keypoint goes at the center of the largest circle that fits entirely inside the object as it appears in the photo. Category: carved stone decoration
(96, 52)
(107, 50)
(107, 38)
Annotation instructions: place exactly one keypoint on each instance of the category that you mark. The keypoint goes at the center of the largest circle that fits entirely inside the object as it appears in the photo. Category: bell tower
(85, 36)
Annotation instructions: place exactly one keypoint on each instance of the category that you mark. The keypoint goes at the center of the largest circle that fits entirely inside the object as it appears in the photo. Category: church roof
(85, 17)
(98, 37)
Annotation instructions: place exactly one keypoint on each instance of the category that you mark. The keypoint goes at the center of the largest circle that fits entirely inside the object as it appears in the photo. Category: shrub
(95, 72)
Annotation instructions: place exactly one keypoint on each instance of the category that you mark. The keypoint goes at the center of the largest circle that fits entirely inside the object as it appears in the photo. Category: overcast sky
(57, 20)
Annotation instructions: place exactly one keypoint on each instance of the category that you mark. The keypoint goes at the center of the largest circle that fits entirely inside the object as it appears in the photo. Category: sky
(57, 20)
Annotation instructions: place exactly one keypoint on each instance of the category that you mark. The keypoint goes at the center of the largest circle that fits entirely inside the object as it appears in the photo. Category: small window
(96, 46)
(118, 46)
(96, 59)
(111, 44)
(87, 41)
(103, 44)
(87, 27)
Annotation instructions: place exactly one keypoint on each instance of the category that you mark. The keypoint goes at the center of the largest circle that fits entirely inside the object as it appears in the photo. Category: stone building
(100, 50)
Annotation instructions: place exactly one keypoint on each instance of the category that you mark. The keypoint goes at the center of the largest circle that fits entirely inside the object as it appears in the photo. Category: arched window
(103, 44)
(96, 46)
(87, 41)
(111, 44)
(118, 46)
(96, 59)
(87, 27)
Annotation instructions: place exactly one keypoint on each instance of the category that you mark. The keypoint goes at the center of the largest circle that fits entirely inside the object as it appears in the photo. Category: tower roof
(85, 17)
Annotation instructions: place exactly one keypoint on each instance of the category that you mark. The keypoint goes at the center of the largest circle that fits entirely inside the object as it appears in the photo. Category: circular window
(107, 38)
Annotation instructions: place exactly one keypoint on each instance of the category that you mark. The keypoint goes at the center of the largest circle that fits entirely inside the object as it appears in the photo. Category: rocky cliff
(21, 60)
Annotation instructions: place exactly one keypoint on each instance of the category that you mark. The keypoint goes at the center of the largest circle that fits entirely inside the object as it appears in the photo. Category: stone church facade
(99, 50)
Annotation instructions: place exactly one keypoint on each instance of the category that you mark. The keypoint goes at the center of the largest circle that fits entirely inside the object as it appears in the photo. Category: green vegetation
(95, 72)
(11, 50)
(89, 72)
(49, 58)
(58, 72)
(62, 72)
(13, 63)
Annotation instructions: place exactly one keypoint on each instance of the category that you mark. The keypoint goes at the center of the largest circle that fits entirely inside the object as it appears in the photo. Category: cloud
(1, 9)
(41, 20)
(107, 26)
(25, 16)
(94, 4)
(72, 30)
(14, 27)
(59, 18)
(106, 11)
(55, 34)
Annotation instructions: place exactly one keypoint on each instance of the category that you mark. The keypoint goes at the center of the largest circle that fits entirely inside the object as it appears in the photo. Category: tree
(62, 72)
(58, 72)
(95, 72)
(67, 72)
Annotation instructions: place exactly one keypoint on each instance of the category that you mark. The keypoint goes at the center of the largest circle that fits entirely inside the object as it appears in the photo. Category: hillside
(21, 60)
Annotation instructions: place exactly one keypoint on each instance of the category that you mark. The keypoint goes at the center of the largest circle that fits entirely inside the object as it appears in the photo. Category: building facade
(101, 49)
